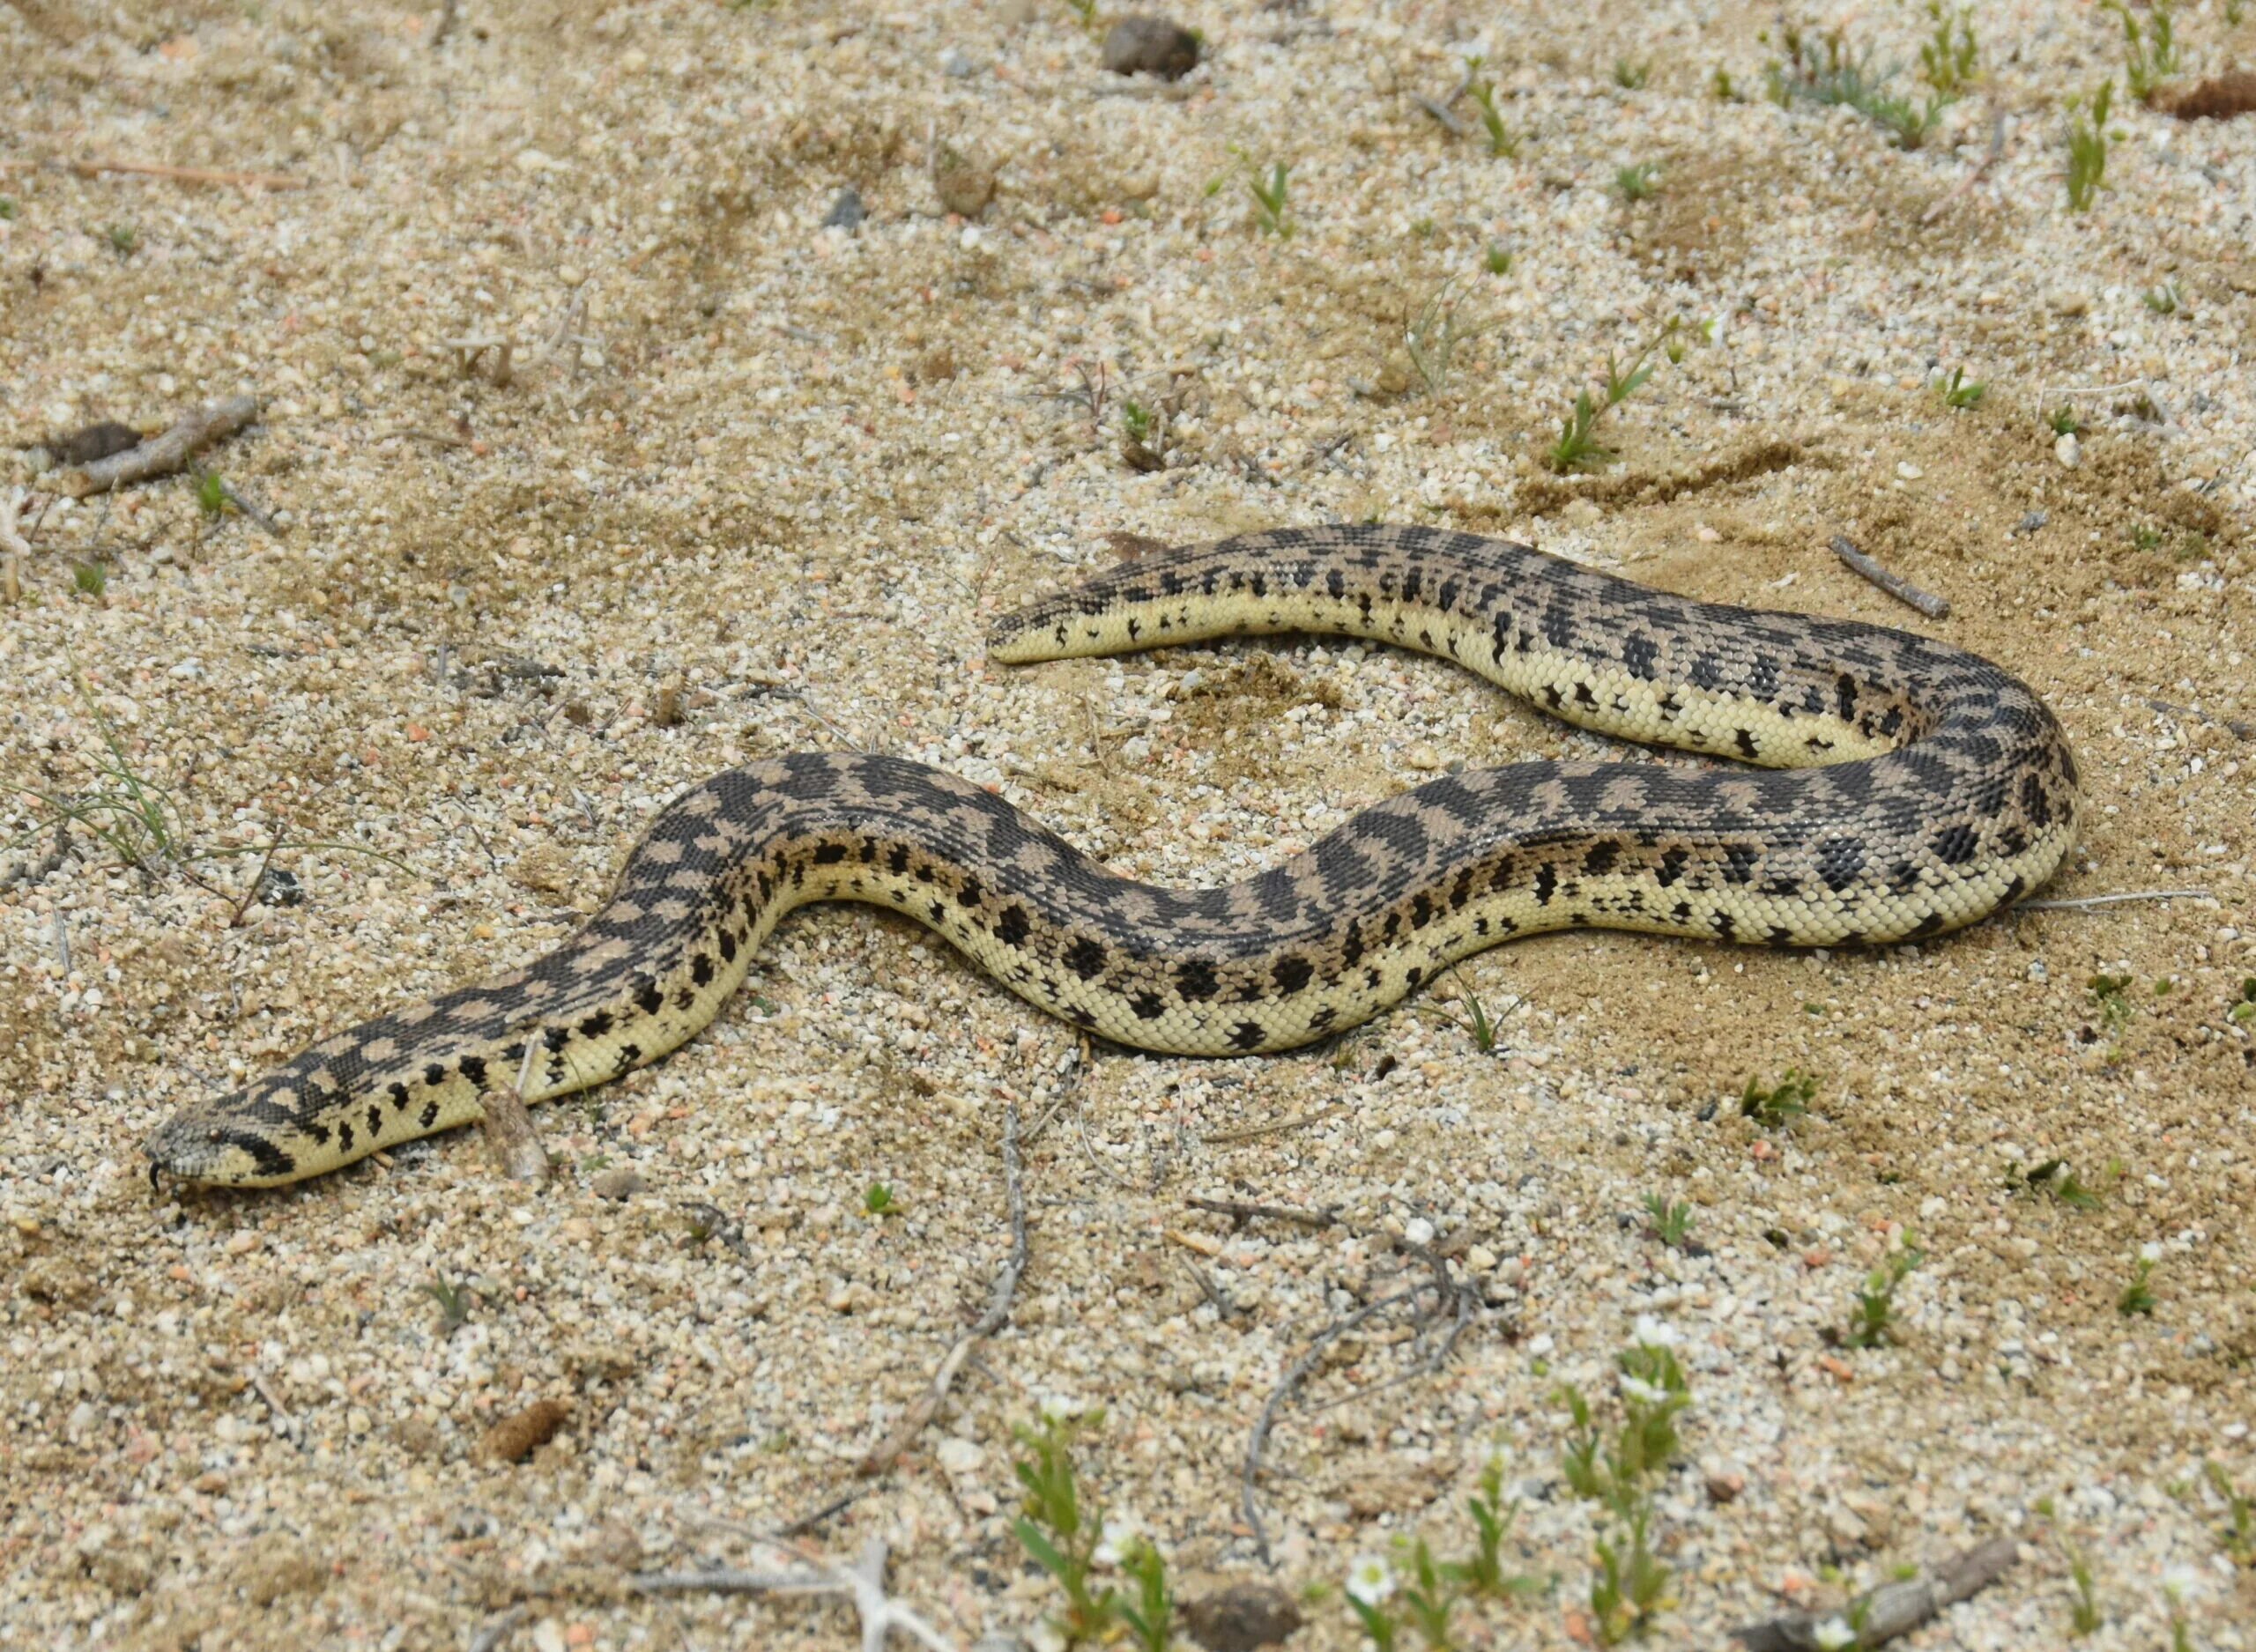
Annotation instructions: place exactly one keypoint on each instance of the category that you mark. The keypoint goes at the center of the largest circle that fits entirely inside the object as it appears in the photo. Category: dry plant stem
(2077, 903)
(2238, 730)
(1294, 1375)
(1319, 1220)
(510, 1133)
(446, 24)
(1254, 1132)
(497, 1630)
(1997, 148)
(864, 1584)
(1895, 584)
(188, 175)
(161, 456)
(1440, 111)
(1894, 1608)
(999, 1312)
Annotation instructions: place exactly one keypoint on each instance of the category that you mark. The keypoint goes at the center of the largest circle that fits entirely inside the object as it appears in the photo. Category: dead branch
(1895, 585)
(1997, 148)
(1253, 1132)
(2078, 903)
(187, 174)
(999, 1312)
(1241, 1212)
(864, 1584)
(1892, 1610)
(159, 456)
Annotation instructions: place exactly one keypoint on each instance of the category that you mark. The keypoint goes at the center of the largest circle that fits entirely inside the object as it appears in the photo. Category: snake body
(1901, 788)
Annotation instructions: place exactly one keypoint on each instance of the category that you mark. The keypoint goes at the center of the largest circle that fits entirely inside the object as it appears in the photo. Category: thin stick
(999, 1312)
(1895, 584)
(265, 1387)
(497, 1630)
(1294, 1375)
(13, 547)
(1299, 1121)
(2239, 729)
(864, 1584)
(161, 456)
(446, 24)
(187, 174)
(1891, 1610)
(1997, 148)
(2078, 903)
(1441, 113)
(808, 1522)
(62, 939)
(251, 892)
(1319, 1220)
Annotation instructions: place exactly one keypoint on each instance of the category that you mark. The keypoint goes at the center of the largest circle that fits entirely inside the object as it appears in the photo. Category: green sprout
(1672, 1219)
(2088, 149)
(124, 239)
(2063, 421)
(1960, 393)
(878, 1200)
(1778, 1104)
(2242, 1010)
(1503, 142)
(1629, 76)
(211, 494)
(91, 578)
(2164, 299)
(1947, 59)
(1496, 261)
(2150, 51)
(2136, 1300)
(1874, 1323)
(453, 1302)
(1638, 182)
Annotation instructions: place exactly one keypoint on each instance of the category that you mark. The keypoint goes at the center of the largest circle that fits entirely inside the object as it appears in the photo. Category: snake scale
(1899, 788)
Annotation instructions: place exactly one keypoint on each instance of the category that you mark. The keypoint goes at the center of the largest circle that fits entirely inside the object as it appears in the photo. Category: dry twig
(446, 24)
(1895, 585)
(999, 1312)
(1319, 1220)
(2077, 903)
(1253, 1132)
(1891, 1610)
(1997, 148)
(159, 456)
(864, 1584)
(188, 175)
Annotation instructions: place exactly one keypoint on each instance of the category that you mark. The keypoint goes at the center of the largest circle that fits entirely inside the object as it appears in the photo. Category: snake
(1852, 784)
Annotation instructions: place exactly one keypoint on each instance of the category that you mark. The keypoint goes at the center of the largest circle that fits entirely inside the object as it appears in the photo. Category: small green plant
(1496, 261)
(1638, 182)
(2085, 1616)
(2136, 1299)
(1672, 1220)
(2063, 421)
(124, 239)
(2239, 1534)
(1960, 393)
(2088, 149)
(1503, 142)
(1873, 1323)
(7, 208)
(1482, 1572)
(2146, 537)
(2164, 299)
(1578, 447)
(211, 495)
(1630, 1584)
(1630, 76)
(1719, 85)
(878, 1200)
(91, 578)
(1371, 1582)
(2054, 1176)
(1431, 339)
(1483, 1028)
(1269, 192)
(1821, 69)
(1779, 1104)
(1138, 420)
(1084, 12)
(1149, 1614)
(2110, 994)
(2242, 1010)
(1948, 57)
(1058, 1531)
(453, 1302)
(2150, 49)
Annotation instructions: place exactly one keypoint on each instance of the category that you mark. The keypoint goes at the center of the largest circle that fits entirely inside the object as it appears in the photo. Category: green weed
(1578, 447)
(2063, 421)
(1960, 393)
(2242, 1013)
(2239, 1534)
(2088, 149)
(2110, 994)
(1629, 76)
(453, 1302)
(124, 239)
(91, 579)
(2150, 49)
(1638, 182)
(1066, 1536)
(1672, 1221)
(1630, 1585)
(1948, 58)
(1822, 70)
(1873, 1322)
(2085, 1617)
(7, 208)
(1269, 191)
(1431, 339)
(1496, 261)
(878, 1200)
(1781, 1103)
(2136, 1299)
(211, 494)
(2164, 299)
(1503, 142)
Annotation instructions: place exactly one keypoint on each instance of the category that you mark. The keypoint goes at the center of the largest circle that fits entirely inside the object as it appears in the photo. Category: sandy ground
(750, 485)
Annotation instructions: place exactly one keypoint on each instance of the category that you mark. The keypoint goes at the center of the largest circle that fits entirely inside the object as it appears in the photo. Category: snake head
(214, 1143)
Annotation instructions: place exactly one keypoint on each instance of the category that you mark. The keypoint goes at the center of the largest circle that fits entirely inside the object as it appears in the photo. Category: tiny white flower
(1834, 1634)
(1117, 1541)
(2151, 1251)
(1643, 1392)
(1370, 1580)
(1058, 1408)
(1652, 1332)
(2181, 1583)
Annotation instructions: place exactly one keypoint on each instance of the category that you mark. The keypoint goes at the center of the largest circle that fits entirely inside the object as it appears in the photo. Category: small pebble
(2067, 450)
(956, 66)
(846, 211)
(618, 1184)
